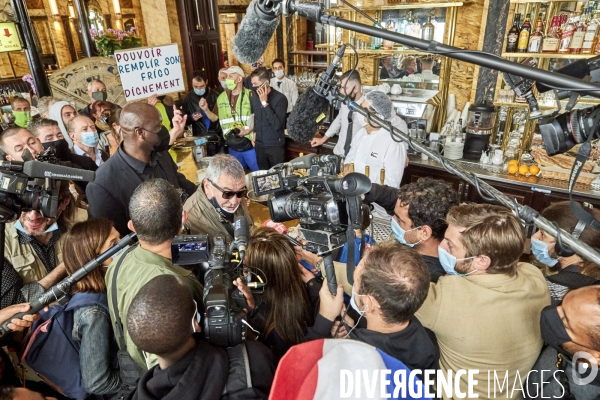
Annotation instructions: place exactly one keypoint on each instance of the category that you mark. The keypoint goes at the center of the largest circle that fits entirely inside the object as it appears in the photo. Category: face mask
(199, 92)
(399, 233)
(542, 253)
(279, 74)
(164, 137)
(99, 96)
(51, 228)
(89, 139)
(104, 120)
(61, 149)
(22, 118)
(553, 330)
(448, 262)
(230, 84)
(228, 215)
(354, 305)
(224, 84)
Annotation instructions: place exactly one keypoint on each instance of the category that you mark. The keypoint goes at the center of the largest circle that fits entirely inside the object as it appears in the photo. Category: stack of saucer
(453, 150)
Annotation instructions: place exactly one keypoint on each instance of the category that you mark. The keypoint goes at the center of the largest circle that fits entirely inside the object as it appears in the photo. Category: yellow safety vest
(240, 117)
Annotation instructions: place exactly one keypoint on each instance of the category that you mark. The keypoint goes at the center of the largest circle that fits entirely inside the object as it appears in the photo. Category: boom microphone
(261, 20)
(305, 118)
(38, 169)
(580, 69)
(255, 33)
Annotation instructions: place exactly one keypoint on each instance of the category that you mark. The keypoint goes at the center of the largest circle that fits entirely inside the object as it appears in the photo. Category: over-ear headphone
(563, 250)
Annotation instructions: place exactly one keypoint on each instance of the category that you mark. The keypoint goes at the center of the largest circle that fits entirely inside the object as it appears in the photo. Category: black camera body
(324, 203)
(223, 302)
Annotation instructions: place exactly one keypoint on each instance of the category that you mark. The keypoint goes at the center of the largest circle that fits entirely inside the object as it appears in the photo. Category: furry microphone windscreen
(306, 116)
(254, 35)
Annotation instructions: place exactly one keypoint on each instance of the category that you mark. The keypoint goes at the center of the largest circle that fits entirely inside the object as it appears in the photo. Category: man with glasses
(219, 200)
(142, 156)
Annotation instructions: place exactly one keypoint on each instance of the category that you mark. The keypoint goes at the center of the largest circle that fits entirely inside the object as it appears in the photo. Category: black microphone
(313, 105)
(304, 162)
(261, 20)
(241, 233)
(38, 169)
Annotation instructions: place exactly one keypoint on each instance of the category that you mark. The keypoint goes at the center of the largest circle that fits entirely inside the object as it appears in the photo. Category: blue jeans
(246, 158)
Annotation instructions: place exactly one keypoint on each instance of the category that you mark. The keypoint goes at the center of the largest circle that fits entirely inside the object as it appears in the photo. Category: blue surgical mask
(399, 233)
(541, 252)
(90, 139)
(199, 92)
(448, 262)
(51, 228)
(224, 84)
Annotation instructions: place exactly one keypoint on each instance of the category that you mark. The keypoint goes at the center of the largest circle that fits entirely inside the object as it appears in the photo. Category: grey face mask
(99, 96)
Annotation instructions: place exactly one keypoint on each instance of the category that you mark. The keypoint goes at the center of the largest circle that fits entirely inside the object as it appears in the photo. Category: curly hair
(428, 200)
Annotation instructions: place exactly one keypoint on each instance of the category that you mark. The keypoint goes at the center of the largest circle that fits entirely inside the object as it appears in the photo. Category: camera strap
(582, 155)
(353, 207)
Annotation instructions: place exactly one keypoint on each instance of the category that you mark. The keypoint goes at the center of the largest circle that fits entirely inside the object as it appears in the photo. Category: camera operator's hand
(343, 332)
(239, 283)
(331, 306)
(306, 274)
(17, 324)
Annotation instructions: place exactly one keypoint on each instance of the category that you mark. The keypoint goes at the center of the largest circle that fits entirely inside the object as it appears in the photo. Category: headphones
(563, 250)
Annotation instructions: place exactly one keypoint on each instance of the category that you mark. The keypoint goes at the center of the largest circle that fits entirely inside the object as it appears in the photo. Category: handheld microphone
(241, 233)
(312, 105)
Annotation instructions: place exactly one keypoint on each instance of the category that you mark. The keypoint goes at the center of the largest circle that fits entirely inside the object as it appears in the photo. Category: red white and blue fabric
(312, 371)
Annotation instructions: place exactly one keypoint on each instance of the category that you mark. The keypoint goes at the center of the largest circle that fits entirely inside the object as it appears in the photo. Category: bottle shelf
(402, 6)
(544, 1)
(548, 55)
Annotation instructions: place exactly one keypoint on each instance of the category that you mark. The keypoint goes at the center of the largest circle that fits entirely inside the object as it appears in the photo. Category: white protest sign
(146, 71)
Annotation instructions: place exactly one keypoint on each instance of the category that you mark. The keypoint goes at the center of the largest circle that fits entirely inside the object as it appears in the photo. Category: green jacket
(137, 269)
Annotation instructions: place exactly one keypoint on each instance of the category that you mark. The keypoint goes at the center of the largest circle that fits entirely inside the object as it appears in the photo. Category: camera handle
(330, 272)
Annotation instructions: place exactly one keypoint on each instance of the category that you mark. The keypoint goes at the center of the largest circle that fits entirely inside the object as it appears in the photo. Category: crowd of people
(447, 292)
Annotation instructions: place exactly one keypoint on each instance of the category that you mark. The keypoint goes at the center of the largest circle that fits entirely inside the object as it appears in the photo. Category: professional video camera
(224, 317)
(17, 195)
(562, 133)
(324, 203)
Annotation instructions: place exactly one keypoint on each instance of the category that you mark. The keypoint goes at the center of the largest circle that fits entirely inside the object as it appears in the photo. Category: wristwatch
(264, 103)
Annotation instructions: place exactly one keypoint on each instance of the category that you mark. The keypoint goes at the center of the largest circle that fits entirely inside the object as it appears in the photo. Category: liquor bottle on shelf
(428, 30)
(310, 44)
(390, 26)
(590, 39)
(408, 29)
(513, 35)
(567, 35)
(524, 35)
(552, 40)
(375, 41)
(535, 41)
(402, 24)
(416, 29)
(577, 40)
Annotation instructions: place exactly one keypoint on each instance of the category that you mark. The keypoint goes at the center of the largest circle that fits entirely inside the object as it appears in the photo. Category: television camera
(224, 318)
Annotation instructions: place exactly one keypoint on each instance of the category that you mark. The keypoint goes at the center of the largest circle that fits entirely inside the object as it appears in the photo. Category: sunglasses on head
(228, 194)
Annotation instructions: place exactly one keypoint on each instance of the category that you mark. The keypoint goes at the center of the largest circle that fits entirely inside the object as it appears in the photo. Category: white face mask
(279, 74)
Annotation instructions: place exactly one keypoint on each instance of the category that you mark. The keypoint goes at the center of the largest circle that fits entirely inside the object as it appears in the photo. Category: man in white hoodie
(283, 84)
(374, 147)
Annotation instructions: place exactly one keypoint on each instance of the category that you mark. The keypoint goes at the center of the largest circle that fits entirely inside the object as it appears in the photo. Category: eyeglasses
(228, 194)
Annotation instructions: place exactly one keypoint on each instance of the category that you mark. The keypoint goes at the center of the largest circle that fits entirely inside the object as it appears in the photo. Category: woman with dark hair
(573, 272)
(92, 327)
(285, 314)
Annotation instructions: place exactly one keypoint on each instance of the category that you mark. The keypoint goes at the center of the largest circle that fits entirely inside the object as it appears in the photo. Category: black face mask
(61, 149)
(553, 329)
(163, 136)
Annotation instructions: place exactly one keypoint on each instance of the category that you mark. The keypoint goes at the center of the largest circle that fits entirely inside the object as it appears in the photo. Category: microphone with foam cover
(254, 35)
(306, 116)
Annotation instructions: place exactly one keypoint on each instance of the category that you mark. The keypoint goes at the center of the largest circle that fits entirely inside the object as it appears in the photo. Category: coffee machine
(480, 123)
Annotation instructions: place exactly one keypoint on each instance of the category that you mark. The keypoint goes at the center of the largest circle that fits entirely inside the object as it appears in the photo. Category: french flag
(326, 369)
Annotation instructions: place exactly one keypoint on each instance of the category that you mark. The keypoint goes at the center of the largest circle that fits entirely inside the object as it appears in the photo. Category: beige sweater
(488, 323)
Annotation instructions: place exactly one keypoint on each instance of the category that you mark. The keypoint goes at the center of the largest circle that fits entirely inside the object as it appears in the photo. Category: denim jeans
(246, 158)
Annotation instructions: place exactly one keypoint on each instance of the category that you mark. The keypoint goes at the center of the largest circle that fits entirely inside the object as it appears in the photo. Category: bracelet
(319, 264)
